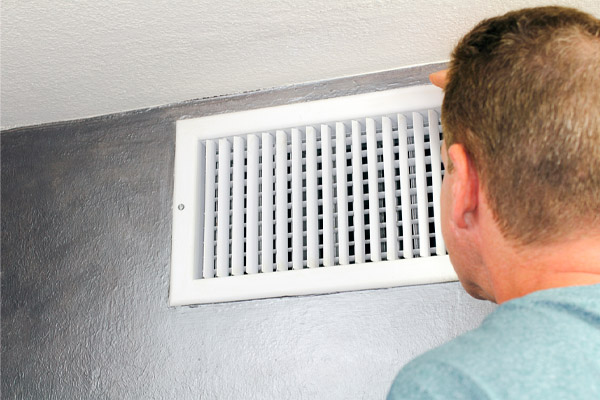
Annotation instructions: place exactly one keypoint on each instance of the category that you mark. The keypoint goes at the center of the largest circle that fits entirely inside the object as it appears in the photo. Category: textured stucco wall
(85, 265)
(65, 59)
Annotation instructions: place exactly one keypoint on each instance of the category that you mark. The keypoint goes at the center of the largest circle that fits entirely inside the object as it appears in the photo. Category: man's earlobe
(465, 186)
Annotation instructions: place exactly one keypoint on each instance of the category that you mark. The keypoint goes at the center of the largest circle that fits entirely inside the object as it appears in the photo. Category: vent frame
(187, 287)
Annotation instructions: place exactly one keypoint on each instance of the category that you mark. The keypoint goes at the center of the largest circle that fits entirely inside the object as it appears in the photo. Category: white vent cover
(326, 196)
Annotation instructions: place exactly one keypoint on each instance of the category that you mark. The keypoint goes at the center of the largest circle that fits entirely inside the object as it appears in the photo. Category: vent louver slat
(405, 198)
(436, 176)
(238, 239)
(281, 200)
(342, 192)
(422, 232)
(334, 195)
(328, 196)
(357, 240)
(391, 230)
(266, 254)
(208, 245)
(297, 201)
(252, 205)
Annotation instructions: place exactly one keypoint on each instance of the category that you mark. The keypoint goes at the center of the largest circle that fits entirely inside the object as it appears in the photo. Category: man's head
(523, 98)
(521, 197)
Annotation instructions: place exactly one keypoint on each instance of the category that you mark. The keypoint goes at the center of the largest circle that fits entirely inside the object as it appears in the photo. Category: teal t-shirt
(545, 345)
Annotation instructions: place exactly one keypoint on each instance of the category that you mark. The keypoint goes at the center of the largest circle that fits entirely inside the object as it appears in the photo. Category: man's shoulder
(517, 348)
(540, 322)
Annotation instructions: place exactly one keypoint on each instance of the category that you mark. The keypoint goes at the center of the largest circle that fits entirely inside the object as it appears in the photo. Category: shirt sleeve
(433, 380)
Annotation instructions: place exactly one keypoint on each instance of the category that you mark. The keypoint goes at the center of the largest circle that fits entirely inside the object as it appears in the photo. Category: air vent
(327, 196)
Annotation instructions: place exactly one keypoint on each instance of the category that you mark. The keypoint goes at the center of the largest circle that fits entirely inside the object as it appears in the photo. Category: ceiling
(65, 59)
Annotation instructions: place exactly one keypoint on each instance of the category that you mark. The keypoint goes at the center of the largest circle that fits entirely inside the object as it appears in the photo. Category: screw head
(180, 207)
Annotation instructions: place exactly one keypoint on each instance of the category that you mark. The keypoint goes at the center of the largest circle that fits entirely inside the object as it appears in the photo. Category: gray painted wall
(85, 271)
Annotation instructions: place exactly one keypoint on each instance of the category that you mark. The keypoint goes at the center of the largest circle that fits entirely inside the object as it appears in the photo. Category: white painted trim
(376, 275)
(315, 112)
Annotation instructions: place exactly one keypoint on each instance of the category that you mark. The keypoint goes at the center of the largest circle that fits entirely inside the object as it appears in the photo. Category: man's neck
(519, 270)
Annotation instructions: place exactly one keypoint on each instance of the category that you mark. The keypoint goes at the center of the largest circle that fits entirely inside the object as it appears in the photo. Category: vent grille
(327, 194)
(316, 196)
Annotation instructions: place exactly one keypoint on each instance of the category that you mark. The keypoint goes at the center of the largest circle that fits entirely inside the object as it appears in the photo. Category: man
(521, 210)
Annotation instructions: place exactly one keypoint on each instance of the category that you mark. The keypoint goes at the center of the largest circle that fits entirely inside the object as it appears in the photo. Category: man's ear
(465, 187)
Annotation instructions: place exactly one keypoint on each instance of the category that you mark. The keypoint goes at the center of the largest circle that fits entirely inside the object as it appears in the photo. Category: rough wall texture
(86, 245)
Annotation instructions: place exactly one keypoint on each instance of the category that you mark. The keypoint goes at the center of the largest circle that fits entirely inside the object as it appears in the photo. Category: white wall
(65, 60)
